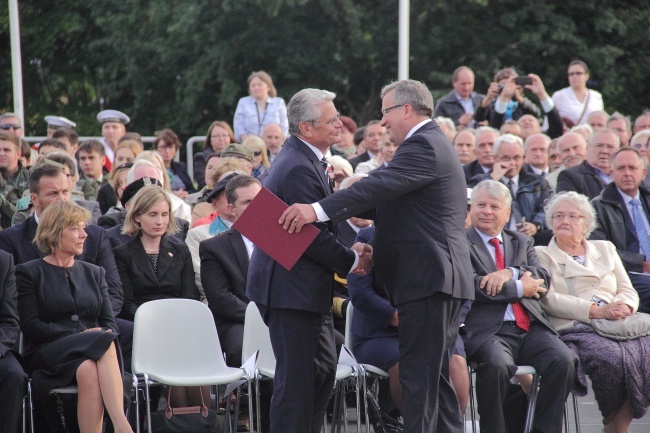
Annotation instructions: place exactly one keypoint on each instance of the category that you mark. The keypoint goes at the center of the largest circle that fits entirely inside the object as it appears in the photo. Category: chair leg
(31, 406)
(576, 412)
(357, 383)
(137, 403)
(531, 404)
(472, 400)
(258, 411)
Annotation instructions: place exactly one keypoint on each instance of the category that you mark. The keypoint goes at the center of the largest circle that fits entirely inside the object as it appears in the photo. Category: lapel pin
(170, 254)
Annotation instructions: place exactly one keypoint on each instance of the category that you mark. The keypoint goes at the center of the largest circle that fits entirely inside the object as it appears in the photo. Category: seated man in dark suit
(623, 210)
(506, 326)
(224, 265)
(484, 140)
(48, 184)
(373, 135)
(13, 379)
(590, 177)
(529, 191)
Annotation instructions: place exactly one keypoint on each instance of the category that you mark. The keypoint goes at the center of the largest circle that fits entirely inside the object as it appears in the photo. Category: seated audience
(91, 162)
(117, 184)
(506, 326)
(69, 137)
(622, 126)
(572, 150)
(590, 177)
(13, 380)
(180, 209)
(642, 122)
(446, 126)
(464, 146)
(224, 260)
(125, 153)
(344, 148)
(588, 281)
(529, 191)
(260, 162)
(14, 176)
(373, 134)
(199, 196)
(462, 102)
(485, 137)
(640, 142)
(554, 161)
(574, 103)
(167, 145)
(536, 154)
(597, 119)
(219, 136)
(381, 159)
(67, 321)
(585, 130)
(510, 127)
(50, 145)
(622, 212)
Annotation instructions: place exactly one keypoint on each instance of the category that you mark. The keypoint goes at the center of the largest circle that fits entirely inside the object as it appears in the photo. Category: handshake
(365, 258)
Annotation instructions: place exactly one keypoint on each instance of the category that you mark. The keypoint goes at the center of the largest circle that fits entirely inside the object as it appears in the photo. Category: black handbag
(191, 419)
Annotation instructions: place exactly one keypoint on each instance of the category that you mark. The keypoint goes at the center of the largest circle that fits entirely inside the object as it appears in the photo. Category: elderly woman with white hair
(588, 281)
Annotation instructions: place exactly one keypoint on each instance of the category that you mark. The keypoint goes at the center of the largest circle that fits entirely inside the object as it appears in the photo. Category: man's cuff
(515, 273)
(547, 105)
(356, 262)
(520, 289)
(500, 106)
(321, 215)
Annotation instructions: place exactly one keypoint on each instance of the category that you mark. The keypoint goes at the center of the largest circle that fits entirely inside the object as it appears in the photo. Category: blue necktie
(641, 232)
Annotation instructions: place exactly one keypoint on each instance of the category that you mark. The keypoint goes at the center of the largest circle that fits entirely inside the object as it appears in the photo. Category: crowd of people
(504, 226)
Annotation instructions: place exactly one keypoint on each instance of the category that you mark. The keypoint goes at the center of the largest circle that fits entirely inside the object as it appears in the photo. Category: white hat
(113, 116)
(59, 121)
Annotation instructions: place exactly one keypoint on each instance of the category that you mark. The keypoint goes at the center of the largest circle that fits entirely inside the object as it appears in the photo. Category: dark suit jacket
(224, 266)
(9, 329)
(555, 125)
(448, 106)
(106, 197)
(472, 169)
(421, 202)
(47, 306)
(174, 279)
(116, 237)
(365, 156)
(92, 207)
(615, 224)
(582, 179)
(486, 316)
(18, 241)
(346, 234)
(373, 311)
(180, 169)
(297, 176)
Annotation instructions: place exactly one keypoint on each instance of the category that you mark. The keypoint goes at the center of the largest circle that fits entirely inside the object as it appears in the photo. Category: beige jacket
(603, 276)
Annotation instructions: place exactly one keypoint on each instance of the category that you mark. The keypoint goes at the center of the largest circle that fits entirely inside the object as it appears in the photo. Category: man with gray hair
(622, 125)
(506, 325)
(484, 138)
(529, 191)
(536, 153)
(296, 304)
(421, 251)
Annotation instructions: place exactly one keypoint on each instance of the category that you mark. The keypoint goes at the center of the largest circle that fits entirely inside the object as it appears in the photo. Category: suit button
(74, 318)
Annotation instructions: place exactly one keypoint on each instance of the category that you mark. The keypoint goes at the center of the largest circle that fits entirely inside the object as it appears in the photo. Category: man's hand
(465, 119)
(394, 321)
(493, 282)
(646, 266)
(532, 286)
(509, 90)
(296, 216)
(492, 93)
(537, 87)
(365, 258)
(529, 229)
(499, 169)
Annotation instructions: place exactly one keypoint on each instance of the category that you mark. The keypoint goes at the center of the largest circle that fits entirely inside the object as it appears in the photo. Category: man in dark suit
(48, 184)
(624, 222)
(296, 304)
(461, 103)
(506, 326)
(373, 136)
(484, 140)
(224, 263)
(13, 379)
(590, 177)
(420, 249)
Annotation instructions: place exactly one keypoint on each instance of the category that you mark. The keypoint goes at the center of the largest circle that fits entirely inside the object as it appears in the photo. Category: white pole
(16, 61)
(403, 45)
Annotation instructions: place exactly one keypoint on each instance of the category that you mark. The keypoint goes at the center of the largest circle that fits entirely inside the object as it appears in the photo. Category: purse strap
(584, 110)
(171, 411)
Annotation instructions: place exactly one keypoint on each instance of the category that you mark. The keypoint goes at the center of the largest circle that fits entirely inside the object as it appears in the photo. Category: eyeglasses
(507, 158)
(8, 126)
(220, 136)
(573, 217)
(330, 122)
(571, 74)
(385, 111)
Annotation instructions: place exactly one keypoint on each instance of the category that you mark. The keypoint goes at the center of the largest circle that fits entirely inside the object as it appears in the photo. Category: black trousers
(497, 361)
(427, 333)
(13, 383)
(303, 343)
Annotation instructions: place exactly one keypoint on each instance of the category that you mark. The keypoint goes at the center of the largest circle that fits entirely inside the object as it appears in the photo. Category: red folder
(259, 223)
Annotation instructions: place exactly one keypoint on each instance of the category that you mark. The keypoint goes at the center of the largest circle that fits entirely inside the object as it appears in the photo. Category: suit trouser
(303, 343)
(231, 337)
(427, 333)
(497, 360)
(13, 382)
(641, 284)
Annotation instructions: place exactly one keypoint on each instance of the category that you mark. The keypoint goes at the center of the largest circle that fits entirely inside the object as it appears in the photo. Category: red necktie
(521, 315)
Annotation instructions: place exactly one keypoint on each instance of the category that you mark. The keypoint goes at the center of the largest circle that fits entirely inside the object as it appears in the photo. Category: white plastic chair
(175, 343)
(256, 337)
